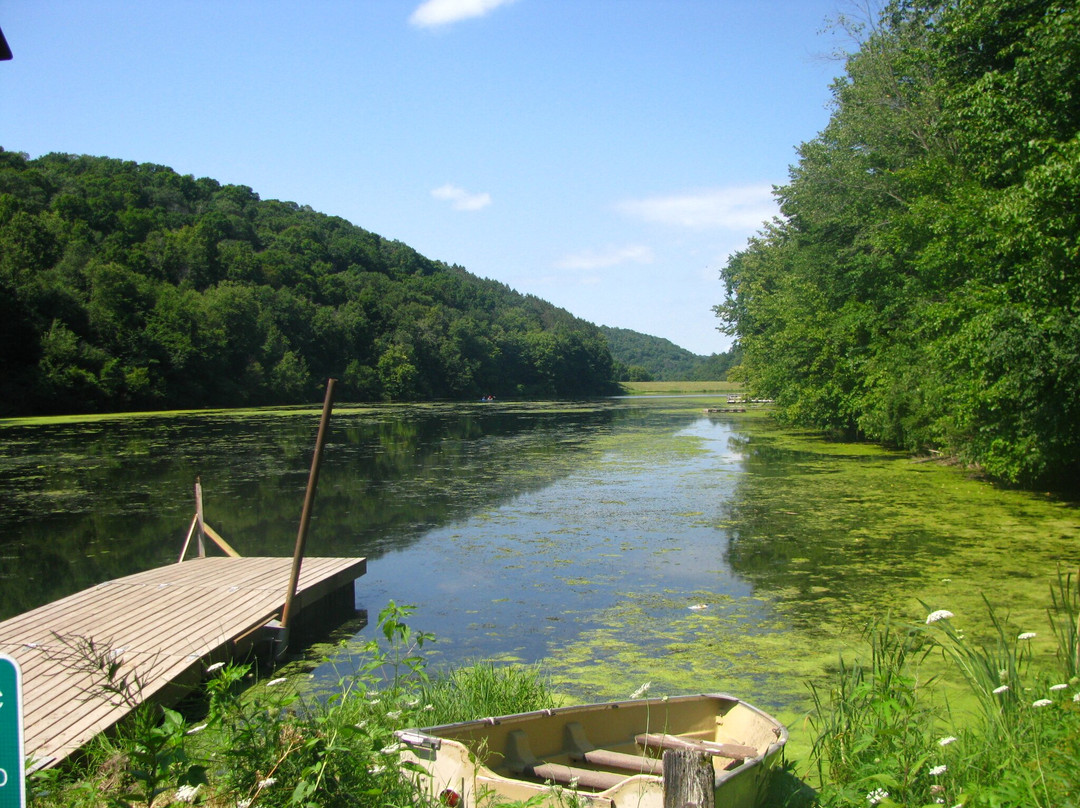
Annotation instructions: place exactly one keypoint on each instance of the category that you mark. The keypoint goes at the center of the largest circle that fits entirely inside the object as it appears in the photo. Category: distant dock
(165, 625)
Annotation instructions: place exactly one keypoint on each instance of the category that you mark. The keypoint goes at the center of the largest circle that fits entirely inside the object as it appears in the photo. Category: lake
(617, 542)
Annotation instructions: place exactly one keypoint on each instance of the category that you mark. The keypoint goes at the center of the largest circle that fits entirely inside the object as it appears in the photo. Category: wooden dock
(165, 625)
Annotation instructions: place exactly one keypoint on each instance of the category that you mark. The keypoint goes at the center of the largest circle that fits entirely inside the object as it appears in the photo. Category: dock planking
(165, 625)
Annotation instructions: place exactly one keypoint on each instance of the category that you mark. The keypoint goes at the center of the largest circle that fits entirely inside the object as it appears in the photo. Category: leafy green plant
(872, 727)
(881, 740)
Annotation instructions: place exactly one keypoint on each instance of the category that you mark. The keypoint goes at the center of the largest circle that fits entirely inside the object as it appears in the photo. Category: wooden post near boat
(305, 515)
(688, 779)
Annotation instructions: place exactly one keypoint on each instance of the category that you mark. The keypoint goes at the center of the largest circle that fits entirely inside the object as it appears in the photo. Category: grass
(679, 388)
(927, 718)
(933, 718)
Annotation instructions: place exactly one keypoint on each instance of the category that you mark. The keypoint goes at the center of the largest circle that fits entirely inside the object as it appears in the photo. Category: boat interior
(599, 747)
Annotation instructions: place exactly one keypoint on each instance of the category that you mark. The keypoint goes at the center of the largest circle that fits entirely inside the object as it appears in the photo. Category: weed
(882, 739)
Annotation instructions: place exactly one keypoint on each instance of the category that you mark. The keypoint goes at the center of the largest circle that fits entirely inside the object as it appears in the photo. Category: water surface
(619, 542)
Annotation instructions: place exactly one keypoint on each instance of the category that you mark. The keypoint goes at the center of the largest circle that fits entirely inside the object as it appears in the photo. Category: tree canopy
(922, 286)
(641, 358)
(130, 286)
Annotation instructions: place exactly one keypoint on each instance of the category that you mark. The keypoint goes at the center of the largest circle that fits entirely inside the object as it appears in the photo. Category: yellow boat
(597, 755)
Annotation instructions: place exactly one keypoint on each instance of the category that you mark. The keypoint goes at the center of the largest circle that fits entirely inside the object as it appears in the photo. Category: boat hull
(606, 754)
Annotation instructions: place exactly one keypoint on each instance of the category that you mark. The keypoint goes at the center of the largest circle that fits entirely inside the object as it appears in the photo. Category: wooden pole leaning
(190, 533)
(309, 501)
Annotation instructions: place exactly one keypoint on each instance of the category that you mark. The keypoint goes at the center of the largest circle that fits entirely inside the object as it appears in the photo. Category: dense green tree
(641, 357)
(922, 287)
(126, 285)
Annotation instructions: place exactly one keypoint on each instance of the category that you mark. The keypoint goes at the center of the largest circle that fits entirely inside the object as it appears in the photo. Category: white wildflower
(641, 691)
(276, 682)
(1041, 703)
(429, 708)
(215, 667)
(376, 769)
(946, 741)
(394, 715)
(1076, 697)
(1027, 635)
(412, 704)
(199, 728)
(877, 795)
(244, 803)
(266, 782)
(936, 770)
(1058, 687)
(997, 691)
(392, 749)
(186, 793)
(933, 617)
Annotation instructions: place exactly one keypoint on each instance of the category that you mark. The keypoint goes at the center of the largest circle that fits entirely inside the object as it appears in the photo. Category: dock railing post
(199, 517)
(305, 516)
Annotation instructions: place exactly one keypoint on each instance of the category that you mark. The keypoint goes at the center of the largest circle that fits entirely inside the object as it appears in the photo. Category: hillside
(640, 357)
(130, 286)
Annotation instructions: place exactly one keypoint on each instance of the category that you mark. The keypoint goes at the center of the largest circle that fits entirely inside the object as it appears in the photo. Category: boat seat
(734, 751)
(520, 759)
(582, 750)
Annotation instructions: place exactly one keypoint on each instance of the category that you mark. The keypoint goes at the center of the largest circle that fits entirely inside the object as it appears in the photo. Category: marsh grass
(887, 734)
(484, 689)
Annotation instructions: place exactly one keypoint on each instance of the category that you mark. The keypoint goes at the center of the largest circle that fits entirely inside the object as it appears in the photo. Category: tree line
(130, 286)
(644, 358)
(922, 286)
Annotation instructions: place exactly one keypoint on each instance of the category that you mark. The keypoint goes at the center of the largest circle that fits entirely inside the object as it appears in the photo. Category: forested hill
(923, 287)
(641, 358)
(129, 286)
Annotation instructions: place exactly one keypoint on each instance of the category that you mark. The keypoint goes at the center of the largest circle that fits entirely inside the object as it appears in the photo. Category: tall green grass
(887, 734)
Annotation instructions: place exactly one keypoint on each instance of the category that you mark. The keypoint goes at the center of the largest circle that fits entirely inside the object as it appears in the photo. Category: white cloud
(433, 13)
(460, 198)
(608, 258)
(738, 208)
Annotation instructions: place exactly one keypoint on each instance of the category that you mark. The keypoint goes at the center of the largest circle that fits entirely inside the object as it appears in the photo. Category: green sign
(12, 780)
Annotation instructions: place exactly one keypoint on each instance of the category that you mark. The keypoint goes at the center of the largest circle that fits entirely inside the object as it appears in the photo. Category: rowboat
(607, 755)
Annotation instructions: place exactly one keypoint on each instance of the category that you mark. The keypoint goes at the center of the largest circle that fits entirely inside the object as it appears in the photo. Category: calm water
(576, 535)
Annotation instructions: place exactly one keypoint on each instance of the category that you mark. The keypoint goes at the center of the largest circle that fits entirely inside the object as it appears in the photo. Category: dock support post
(199, 517)
(305, 516)
(688, 779)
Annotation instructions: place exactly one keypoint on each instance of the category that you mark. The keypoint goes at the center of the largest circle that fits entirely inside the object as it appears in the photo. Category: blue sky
(605, 155)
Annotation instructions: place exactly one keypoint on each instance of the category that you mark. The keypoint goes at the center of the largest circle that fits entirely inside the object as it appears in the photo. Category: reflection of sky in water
(530, 575)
